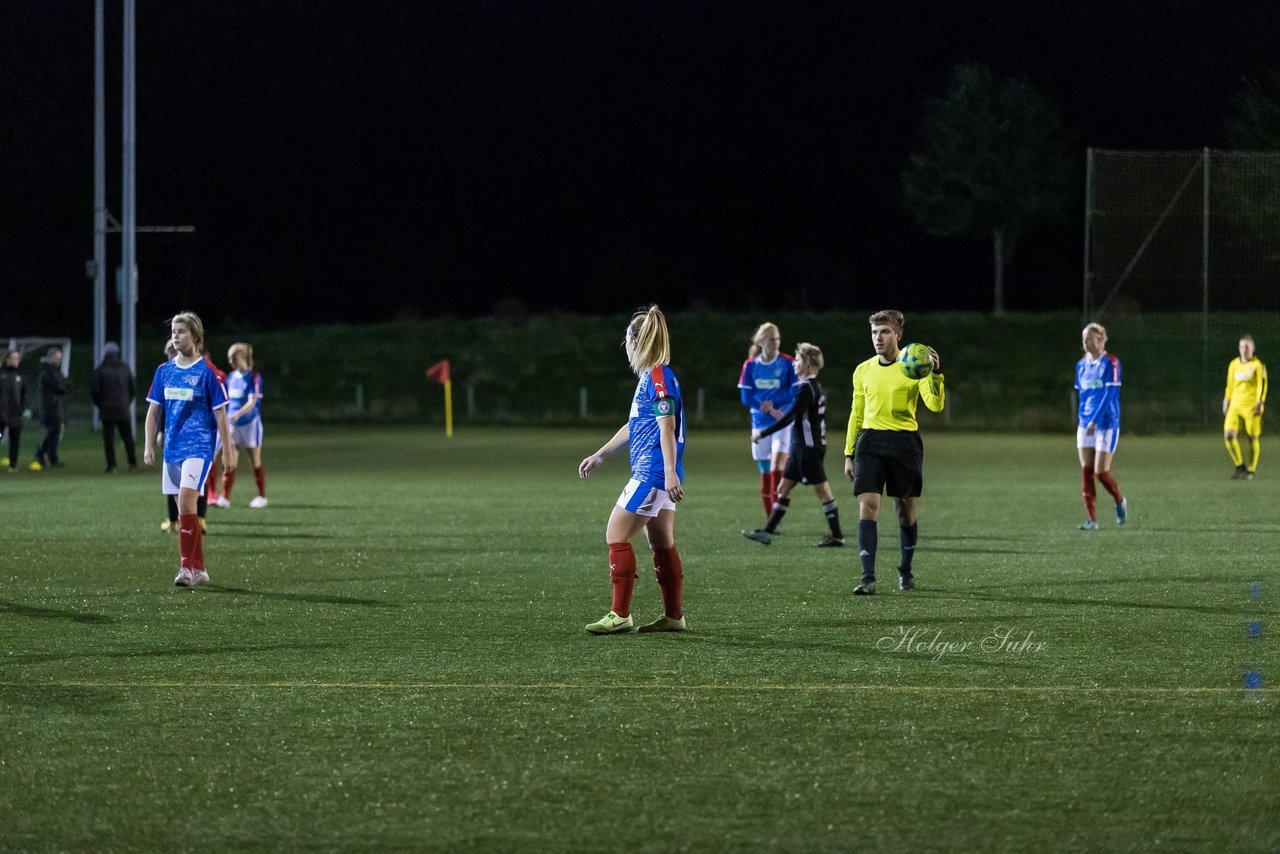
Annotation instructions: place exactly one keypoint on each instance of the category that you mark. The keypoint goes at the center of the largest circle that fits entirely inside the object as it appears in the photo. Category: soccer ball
(914, 361)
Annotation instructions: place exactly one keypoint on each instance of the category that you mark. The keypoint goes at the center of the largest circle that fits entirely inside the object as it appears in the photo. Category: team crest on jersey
(663, 407)
(192, 381)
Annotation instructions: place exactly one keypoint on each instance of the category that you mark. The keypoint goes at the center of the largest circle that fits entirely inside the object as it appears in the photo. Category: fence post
(700, 411)
(359, 398)
(582, 403)
(471, 401)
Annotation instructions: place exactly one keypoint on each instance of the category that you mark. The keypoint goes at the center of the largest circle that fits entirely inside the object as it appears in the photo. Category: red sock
(261, 478)
(188, 531)
(622, 572)
(215, 478)
(670, 574)
(1105, 478)
(766, 492)
(228, 481)
(1090, 493)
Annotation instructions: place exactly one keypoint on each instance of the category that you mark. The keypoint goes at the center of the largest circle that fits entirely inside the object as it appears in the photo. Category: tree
(1254, 121)
(996, 161)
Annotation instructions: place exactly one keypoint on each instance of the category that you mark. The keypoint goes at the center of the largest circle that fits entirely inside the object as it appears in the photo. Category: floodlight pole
(128, 209)
(99, 191)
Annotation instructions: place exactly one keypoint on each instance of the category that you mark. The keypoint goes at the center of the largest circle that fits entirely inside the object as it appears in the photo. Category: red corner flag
(439, 372)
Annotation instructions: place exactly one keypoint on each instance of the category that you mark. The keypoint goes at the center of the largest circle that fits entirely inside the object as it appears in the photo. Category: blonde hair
(194, 325)
(809, 358)
(1095, 327)
(242, 349)
(762, 330)
(649, 339)
(889, 317)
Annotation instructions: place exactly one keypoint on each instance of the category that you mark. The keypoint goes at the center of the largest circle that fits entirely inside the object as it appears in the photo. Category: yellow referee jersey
(1246, 383)
(884, 398)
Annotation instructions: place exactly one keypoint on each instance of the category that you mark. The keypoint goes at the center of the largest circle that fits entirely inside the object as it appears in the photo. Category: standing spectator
(244, 388)
(194, 405)
(13, 404)
(767, 384)
(883, 451)
(113, 390)
(53, 409)
(655, 436)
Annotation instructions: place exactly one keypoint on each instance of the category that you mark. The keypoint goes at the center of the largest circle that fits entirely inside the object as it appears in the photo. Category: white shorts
(1101, 440)
(248, 435)
(778, 443)
(644, 499)
(188, 474)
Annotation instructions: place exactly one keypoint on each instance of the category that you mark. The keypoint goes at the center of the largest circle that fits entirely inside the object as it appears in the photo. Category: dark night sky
(350, 161)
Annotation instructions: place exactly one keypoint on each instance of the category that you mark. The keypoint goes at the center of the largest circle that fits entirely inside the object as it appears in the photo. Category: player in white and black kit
(808, 421)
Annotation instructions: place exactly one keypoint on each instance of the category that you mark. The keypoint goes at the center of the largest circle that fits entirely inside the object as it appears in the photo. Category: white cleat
(198, 577)
(260, 501)
(184, 579)
(223, 501)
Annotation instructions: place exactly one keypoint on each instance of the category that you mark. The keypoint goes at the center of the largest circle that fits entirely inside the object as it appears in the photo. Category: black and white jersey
(808, 417)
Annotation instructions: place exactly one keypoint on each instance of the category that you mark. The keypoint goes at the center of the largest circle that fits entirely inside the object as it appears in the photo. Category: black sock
(832, 513)
(171, 502)
(780, 506)
(907, 536)
(868, 535)
(202, 505)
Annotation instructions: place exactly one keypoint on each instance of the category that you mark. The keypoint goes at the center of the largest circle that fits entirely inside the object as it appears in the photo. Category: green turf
(391, 657)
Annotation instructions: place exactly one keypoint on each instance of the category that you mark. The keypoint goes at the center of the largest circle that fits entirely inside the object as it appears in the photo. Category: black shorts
(805, 465)
(889, 461)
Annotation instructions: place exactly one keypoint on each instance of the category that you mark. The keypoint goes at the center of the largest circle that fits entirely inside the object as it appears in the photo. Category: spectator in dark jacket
(13, 402)
(53, 409)
(112, 390)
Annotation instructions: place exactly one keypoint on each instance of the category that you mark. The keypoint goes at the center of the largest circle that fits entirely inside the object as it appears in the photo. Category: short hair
(1095, 327)
(194, 325)
(650, 341)
(1249, 338)
(242, 349)
(808, 357)
(889, 317)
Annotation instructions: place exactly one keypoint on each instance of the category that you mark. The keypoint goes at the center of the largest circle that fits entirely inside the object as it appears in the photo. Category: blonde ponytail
(649, 340)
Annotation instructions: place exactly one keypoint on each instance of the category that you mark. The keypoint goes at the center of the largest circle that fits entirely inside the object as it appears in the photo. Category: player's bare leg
(1090, 492)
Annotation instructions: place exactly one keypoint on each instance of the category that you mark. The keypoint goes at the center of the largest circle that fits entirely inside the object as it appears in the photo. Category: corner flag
(439, 372)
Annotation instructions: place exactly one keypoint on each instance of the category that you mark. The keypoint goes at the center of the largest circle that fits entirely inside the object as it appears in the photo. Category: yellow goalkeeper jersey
(884, 398)
(1246, 383)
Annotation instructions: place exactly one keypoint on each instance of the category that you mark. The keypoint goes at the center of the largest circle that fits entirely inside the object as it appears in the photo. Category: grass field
(391, 657)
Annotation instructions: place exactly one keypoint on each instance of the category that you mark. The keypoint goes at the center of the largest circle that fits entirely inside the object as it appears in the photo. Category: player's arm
(932, 391)
(149, 432)
(229, 453)
(610, 447)
(667, 441)
(1231, 382)
(804, 399)
(255, 394)
(1262, 389)
(746, 387)
(855, 423)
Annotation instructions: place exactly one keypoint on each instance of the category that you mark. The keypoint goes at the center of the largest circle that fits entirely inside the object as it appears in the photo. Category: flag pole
(448, 409)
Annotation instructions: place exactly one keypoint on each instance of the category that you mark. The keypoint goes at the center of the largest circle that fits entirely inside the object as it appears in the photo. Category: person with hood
(113, 390)
(53, 409)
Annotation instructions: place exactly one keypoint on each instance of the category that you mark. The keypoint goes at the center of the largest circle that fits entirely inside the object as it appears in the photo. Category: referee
(883, 451)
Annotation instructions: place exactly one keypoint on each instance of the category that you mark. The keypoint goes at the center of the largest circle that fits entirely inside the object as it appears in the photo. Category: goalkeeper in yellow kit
(1242, 403)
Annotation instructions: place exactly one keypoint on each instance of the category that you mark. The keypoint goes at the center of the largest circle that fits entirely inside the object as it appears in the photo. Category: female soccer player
(655, 435)
(194, 405)
(244, 388)
(1242, 404)
(808, 418)
(767, 384)
(1098, 383)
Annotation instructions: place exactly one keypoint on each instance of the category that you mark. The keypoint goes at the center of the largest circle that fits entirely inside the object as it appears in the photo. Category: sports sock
(1255, 451)
(670, 574)
(622, 572)
(260, 477)
(188, 529)
(775, 482)
(766, 492)
(832, 512)
(1233, 451)
(1105, 478)
(868, 535)
(1090, 493)
(171, 504)
(202, 505)
(775, 518)
(228, 481)
(907, 536)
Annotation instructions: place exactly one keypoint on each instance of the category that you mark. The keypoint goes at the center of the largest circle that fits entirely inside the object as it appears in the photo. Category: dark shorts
(889, 461)
(805, 465)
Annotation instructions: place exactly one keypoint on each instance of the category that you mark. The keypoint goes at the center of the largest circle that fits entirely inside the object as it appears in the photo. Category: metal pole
(1204, 297)
(128, 231)
(99, 191)
(1088, 229)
